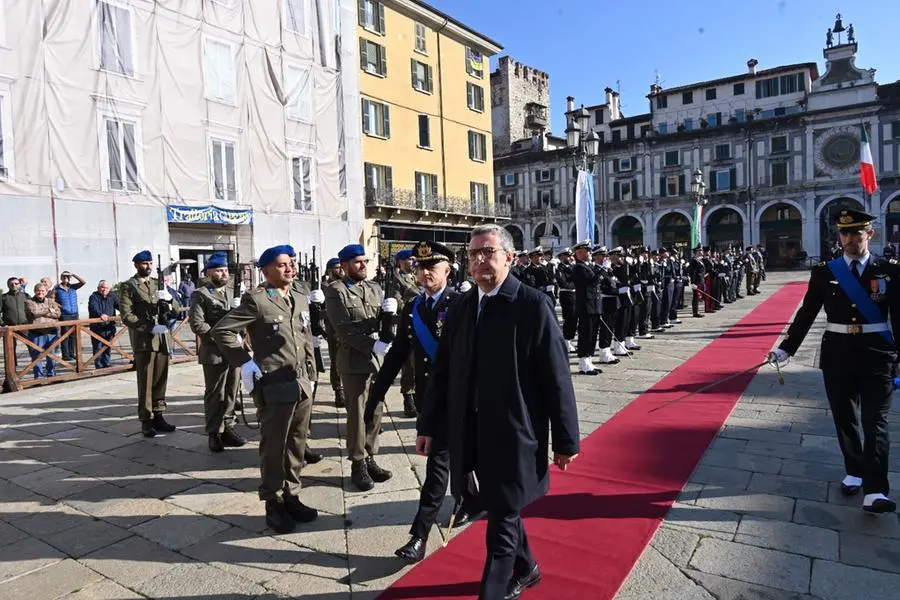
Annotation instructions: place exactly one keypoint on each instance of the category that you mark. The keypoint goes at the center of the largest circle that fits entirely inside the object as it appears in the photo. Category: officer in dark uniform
(624, 315)
(537, 273)
(567, 295)
(421, 323)
(861, 297)
(645, 276)
(585, 278)
(696, 271)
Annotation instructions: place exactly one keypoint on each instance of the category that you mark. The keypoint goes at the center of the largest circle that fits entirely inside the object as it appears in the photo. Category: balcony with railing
(396, 201)
(535, 116)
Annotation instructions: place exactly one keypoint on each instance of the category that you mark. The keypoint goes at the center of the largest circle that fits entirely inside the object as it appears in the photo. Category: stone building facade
(520, 104)
(778, 148)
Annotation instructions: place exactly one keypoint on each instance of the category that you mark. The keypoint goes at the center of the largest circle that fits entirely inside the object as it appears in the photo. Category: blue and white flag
(585, 219)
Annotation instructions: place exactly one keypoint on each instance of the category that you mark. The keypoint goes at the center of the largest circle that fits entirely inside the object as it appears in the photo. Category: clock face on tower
(837, 152)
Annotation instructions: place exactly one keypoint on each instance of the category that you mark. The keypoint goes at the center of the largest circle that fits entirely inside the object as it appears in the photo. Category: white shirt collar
(493, 292)
(437, 296)
(862, 261)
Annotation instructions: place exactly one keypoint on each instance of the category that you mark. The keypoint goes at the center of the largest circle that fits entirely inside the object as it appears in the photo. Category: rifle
(162, 311)
(237, 276)
(387, 332)
(238, 279)
(316, 312)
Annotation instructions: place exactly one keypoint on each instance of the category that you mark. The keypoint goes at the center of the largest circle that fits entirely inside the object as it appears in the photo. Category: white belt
(637, 287)
(624, 290)
(855, 329)
(607, 296)
(566, 290)
(651, 288)
(721, 274)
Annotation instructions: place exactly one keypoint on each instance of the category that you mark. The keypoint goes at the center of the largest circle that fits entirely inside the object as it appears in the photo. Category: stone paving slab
(90, 510)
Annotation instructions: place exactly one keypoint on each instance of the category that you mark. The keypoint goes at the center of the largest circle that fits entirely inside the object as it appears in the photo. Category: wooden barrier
(184, 349)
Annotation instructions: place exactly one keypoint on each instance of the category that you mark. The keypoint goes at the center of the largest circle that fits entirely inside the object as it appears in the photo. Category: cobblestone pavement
(90, 510)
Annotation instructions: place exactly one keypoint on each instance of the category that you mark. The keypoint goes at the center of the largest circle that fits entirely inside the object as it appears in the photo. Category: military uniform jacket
(538, 277)
(138, 307)
(564, 276)
(624, 289)
(846, 351)
(696, 270)
(587, 289)
(406, 287)
(280, 337)
(407, 341)
(208, 305)
(354, 312)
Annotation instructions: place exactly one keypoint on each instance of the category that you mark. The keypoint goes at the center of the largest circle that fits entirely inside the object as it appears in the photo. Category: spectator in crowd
(43, 309)
(67, 298)
(103, 304)
(51, 289)
(12, 307)
(186, 290)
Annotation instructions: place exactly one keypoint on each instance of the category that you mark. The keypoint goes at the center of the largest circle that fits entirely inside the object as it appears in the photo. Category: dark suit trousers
(408, 376)
(668, 302)
(643, 315)
(219, 397)
(588, 328)
(677, 300)
(604, 330)
(622, 321)
(654, 303)
(871, 394)
(434, 488)
(508, 554)
(569, 316)
(695, 299)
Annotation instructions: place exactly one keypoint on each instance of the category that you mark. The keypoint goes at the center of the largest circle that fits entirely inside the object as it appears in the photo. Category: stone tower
(520, 104)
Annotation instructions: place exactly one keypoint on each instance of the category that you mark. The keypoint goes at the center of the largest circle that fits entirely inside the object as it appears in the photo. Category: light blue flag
(585, 218)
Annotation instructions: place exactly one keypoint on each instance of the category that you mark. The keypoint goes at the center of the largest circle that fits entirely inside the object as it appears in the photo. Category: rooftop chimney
(570, 104)
(751, 66)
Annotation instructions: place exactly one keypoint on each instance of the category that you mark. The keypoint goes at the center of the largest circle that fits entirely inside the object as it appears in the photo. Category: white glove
(465, 286)
(693, 286)
(549, 288)
(159, 329)
(381, 348)
(317, 341)
(240, 339)
(629, 260)
(316, 297)
(779, 356)
(249, 374)
(456, 266)
(235, 302)
(389, 305)
(164, 295)
(554, 261)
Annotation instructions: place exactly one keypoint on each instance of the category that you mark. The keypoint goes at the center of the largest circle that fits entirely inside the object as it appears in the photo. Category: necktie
(429, 304)
(854, 267)
(481, 305)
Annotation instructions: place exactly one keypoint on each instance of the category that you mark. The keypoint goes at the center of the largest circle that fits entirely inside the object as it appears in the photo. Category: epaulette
(822, 264)
(893, 261)
(257, 290)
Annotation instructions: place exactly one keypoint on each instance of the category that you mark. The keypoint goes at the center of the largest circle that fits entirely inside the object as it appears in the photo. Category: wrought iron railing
(409, 199)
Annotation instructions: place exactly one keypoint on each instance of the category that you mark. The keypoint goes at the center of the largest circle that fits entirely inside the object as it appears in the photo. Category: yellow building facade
(426, 123)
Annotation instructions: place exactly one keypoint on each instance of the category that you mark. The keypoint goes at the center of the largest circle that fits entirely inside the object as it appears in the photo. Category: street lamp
(585, 142)
(698, 188)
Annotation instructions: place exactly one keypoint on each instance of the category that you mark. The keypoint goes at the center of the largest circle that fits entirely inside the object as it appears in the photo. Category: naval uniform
(857, 359)
(566, 284)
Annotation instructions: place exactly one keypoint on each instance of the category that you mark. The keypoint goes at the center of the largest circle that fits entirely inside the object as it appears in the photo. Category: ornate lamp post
(698, 188)
(584, 146)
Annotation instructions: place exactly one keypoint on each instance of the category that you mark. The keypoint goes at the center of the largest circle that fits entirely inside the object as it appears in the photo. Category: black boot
(160, 424)
(359, 476)
(277, 517)
(147, 429)
(231, 438)
(215, 443)
(339, 400)
(412, 551)
(377, 474)
(299, 511)
(310, 457)
(409, 406)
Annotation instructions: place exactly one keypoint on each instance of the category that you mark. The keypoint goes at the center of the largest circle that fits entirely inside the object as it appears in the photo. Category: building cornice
(446, 23)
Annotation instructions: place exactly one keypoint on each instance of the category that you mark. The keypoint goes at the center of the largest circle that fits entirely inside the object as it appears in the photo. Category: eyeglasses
(484, 253)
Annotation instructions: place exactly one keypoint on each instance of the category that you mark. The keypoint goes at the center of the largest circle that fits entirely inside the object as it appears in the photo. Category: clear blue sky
(587, 45)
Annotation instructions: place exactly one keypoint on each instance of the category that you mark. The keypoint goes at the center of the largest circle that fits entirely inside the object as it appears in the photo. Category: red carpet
(589, 532)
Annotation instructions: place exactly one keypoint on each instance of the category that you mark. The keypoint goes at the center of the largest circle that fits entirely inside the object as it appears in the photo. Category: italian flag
(866, 166)
(696, 237)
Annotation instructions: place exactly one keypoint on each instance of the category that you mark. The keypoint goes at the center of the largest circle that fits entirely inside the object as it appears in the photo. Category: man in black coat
(696, 271)
(861, 297)
(422, 322)
(500, 379)
(588, 307)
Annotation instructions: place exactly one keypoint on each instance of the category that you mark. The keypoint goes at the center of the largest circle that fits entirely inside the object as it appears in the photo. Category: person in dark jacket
(500, 382)
(103, 304)
(422, 321)
(567, 296)
(12, 307)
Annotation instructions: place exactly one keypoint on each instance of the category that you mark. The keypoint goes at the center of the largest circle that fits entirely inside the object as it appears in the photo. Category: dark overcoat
(514, 369)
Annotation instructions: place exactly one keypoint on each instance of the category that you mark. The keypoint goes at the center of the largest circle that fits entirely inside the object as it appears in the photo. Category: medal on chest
(439, 325)
(878, 287)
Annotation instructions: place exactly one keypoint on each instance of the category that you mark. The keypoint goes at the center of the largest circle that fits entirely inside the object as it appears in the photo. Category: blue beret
(332, 263)
(350, 252)
(289, 250)
(269, 255)
(142, 256)
(216, 260)
(404, 254)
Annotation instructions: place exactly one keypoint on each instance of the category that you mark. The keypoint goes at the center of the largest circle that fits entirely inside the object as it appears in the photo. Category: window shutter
(662, 186)
(429, 83)
(471, 145)
(732, 173)
(363, 57)
(380, 18)
(759, 89)
(634, 188)
(361, 7)
(616, 163)
(387, 120)
(552, 174)
(368, 168)
(617, 192)
(412, 71)
(434, 186)
(681, 191)
(714, 181)
(382, 60)
(516, 178)
(388, 178)
(367, 126)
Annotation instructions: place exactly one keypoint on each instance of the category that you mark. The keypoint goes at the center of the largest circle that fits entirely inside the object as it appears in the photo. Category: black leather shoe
(339, 400)
(463, 517)
(377, 474)
(215, 443)
(160, 424)
(300, 512)
(698, 316)
(850, 490)
(360, 477)
(278, 518)
(147, 429)
(522, 583)
(231, 438)
(310, 457)
(412, 551)
(880, 505)
(409, 406)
